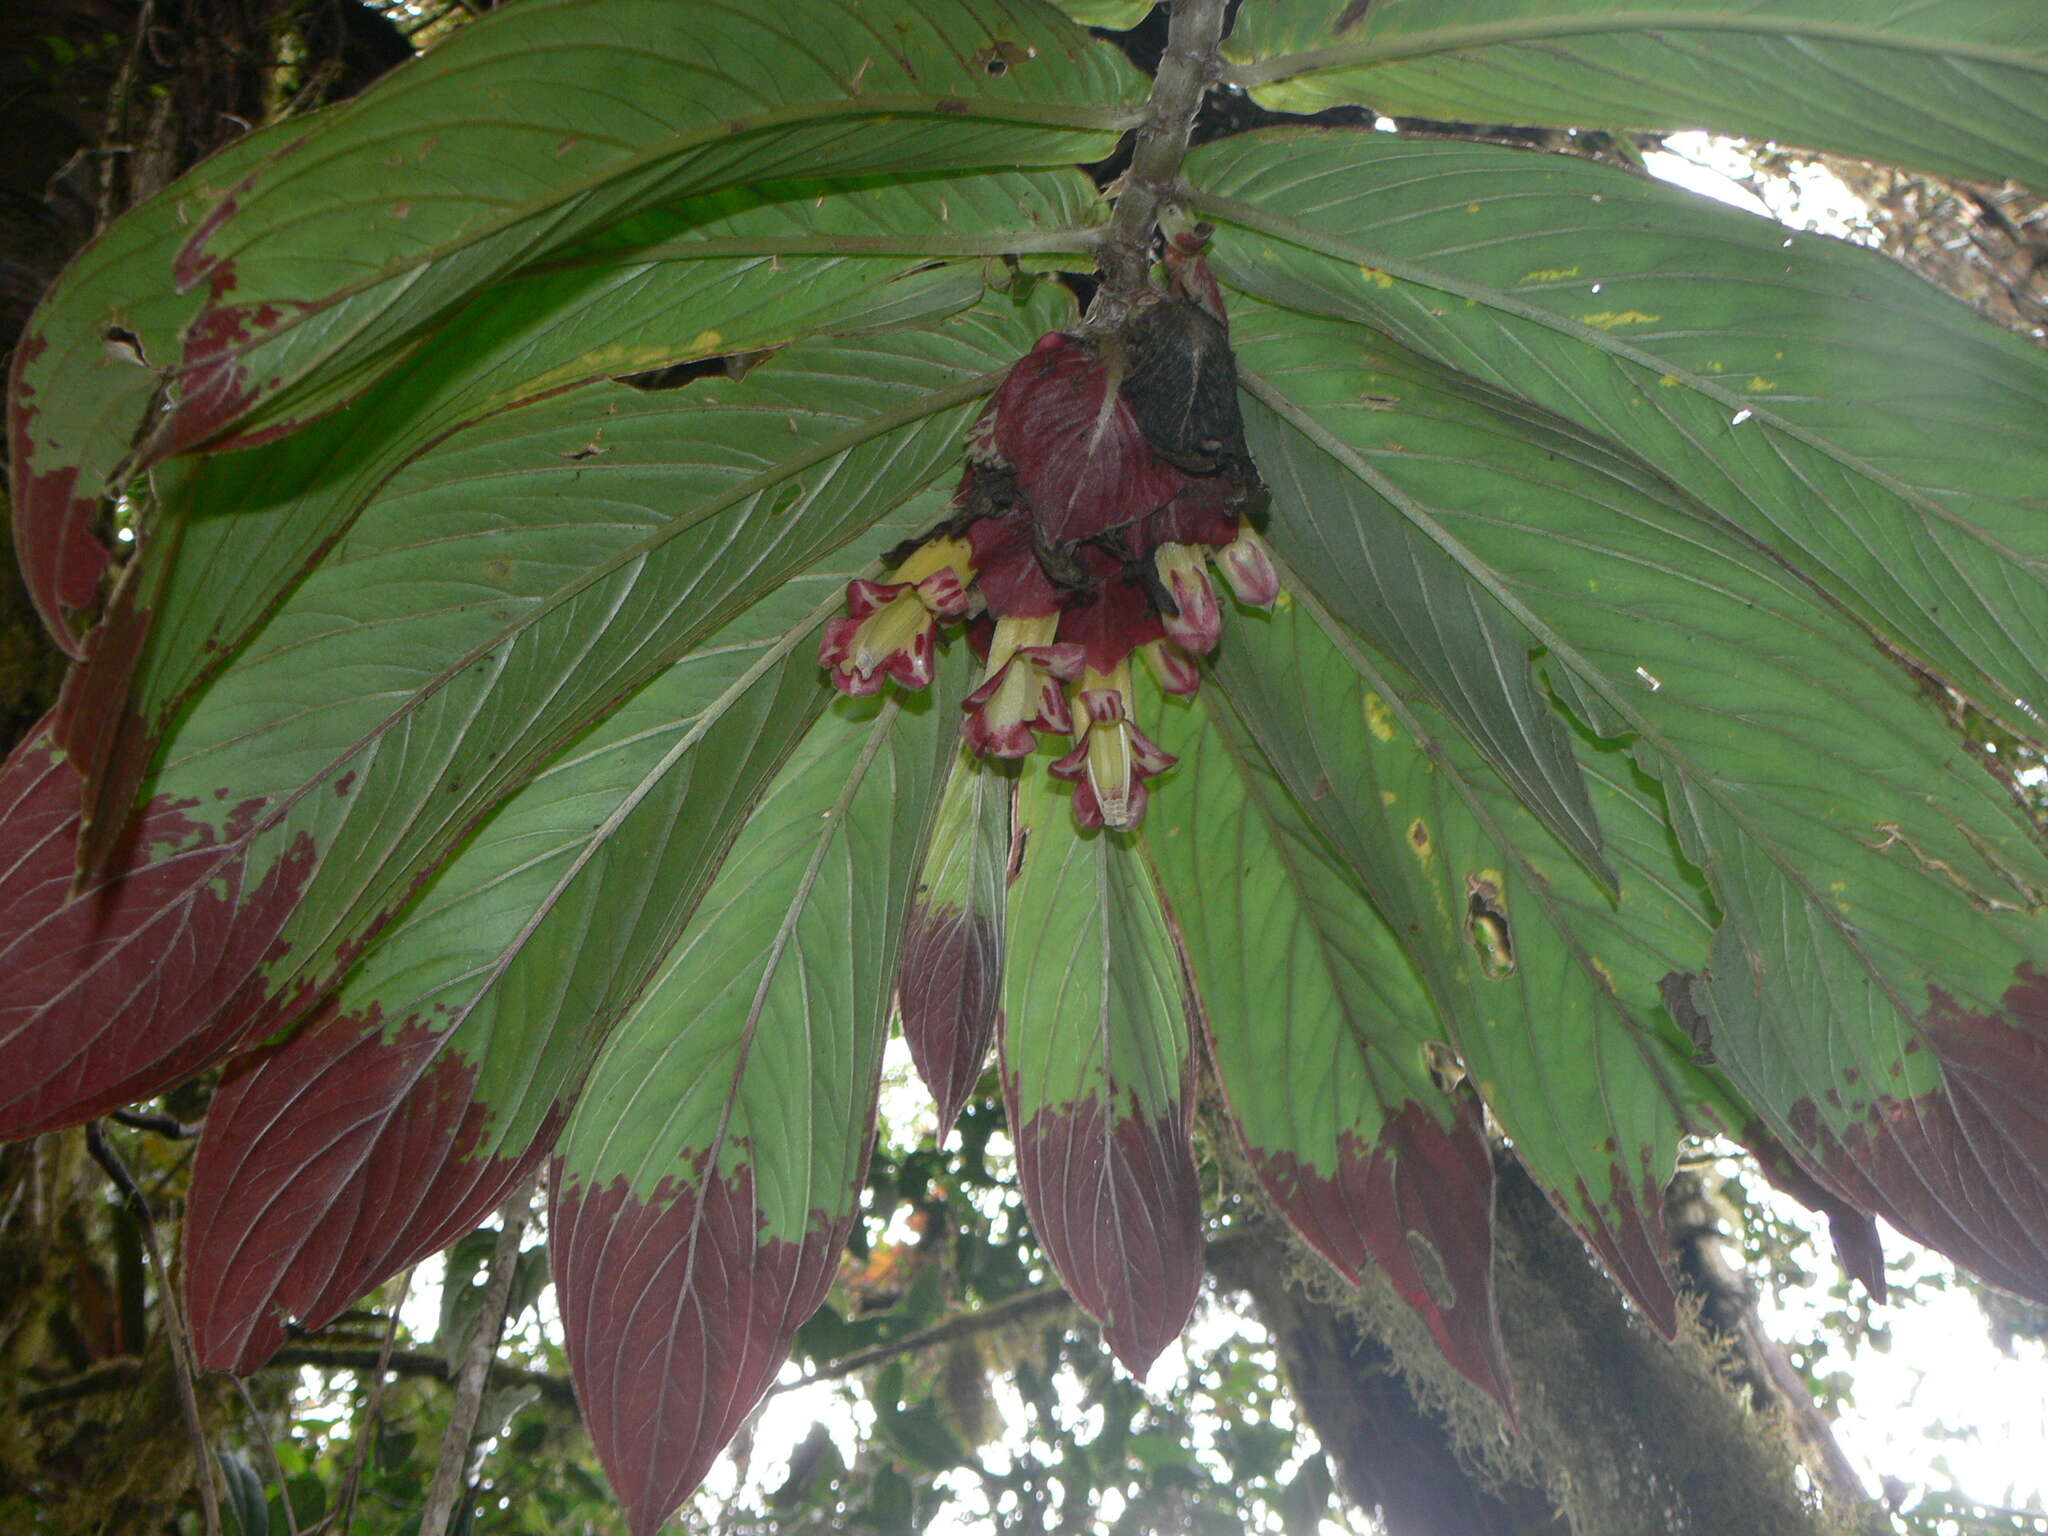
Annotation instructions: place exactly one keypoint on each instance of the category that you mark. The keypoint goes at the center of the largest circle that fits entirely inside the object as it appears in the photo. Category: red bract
(1106, 472)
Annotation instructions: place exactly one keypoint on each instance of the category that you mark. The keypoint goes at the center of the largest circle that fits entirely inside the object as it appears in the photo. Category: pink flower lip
(1020, 697)
(1113, 758)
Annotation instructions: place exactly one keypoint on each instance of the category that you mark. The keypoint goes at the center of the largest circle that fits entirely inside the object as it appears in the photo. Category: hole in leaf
(124, 346)
(1486, 923)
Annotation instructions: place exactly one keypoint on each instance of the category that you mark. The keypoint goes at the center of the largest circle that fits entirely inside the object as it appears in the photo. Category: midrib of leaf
(756, 125)
(835, 820)
(602, 833)
(1539, 887)
(1018, 242)
(1593, 675)
(1318, 242)
(1542, 29)
(1284, 846)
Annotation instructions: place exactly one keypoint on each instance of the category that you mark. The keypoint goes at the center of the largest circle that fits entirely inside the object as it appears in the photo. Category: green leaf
(1882, 893)
(330, 260)
(1098, 1076)
(1824, 401)
(1548, 985)
(734, 272)
(1112, 15)
(700, 504)
(85, 373)
(388, 717)
(247, 1506)
(711, 1172)
(1322, 1034)
(1957, 88)
(1410, 600)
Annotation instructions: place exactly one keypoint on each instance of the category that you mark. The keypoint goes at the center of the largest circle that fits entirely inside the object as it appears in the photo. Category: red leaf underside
(1061, 421)
(214, 387)
(1858, 1246)
(62, 561)
(1965, 1168)
(950, 981)
(1420, 1204)
(96, 725)
(1629, 1241)
(148, 975)
(1118, 1210)
(328, 1165)
(677, 1315)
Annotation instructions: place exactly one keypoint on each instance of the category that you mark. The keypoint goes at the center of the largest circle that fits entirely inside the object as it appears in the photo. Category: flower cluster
(1106, 474)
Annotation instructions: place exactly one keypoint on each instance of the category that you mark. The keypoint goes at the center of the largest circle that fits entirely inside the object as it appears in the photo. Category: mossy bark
(1621, 1433)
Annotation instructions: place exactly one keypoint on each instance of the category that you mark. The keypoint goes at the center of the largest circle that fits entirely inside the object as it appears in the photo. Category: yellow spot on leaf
(1550, 274)
(705, 341)
(1670, 381)
(1388, 797)
(1374, 275)
(1608, 319)
(1418, 839)
(1377, 719)
(1761, 383)
(1471, 207)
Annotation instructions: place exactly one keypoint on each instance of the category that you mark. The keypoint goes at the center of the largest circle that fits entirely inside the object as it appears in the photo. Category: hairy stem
(1186, 70)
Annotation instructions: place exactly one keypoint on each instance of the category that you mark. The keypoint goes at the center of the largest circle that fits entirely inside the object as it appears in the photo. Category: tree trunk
(1621, 1433)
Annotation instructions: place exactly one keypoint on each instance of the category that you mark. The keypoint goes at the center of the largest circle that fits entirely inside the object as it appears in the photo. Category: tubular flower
(1113, 758)
(1172, 668)
(1248, 567)
(1194, 623)
(1107, 471)
(1020, 692)
(890, 627)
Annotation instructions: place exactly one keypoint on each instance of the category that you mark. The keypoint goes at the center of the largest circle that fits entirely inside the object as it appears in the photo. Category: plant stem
(178, 1336)
(1186, 70)
(451, 1477)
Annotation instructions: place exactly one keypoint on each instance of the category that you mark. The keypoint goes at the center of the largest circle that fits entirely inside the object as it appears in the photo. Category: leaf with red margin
(1098, 1076)
(1948, 1141)
(86, 374)
(350, 245)
(1859, 1247)
(146, 976)
(1884, 899)
(1322, 1032)
(396, 699)
(1560, 1027)
(712, 1169)
(443, 1068)
(738, 271)
(952, 970)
